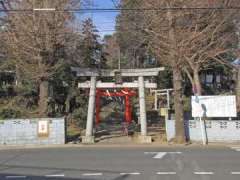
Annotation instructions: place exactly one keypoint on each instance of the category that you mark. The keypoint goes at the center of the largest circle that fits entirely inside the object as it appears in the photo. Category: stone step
(114, 139)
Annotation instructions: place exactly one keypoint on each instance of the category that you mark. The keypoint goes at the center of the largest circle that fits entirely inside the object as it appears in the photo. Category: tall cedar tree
(90, 49)
(131, 39)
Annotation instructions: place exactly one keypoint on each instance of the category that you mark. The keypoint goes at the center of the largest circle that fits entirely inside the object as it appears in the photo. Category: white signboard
(214, 106)
(43, 128)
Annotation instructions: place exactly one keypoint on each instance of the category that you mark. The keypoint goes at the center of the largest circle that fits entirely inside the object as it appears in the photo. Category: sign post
(201, 121)
(203, 130)
(200, 112)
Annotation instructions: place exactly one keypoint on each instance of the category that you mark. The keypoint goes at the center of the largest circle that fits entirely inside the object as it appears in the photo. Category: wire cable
(98, 10)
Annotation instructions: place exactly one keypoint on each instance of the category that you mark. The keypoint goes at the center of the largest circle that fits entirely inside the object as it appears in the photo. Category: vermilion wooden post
(127, 109)
(98, 95)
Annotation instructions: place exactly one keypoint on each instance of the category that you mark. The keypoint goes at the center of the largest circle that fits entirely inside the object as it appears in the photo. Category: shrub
(9, 114)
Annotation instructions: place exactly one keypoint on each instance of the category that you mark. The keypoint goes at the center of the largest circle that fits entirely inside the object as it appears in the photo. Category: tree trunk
(197, 83)
(178, 105)
(177, 83)
(43, 98)
(18, 79)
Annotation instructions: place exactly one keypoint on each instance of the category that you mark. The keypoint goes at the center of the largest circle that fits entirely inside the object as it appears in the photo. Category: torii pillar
(140, 84)
(142, 105)
(89, 138)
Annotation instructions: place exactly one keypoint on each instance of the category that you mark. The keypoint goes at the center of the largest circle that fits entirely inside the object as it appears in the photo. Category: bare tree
(36, 39)
(161, 31)
(202, 36)
(156, 31)
(189, 40)
(206, 37)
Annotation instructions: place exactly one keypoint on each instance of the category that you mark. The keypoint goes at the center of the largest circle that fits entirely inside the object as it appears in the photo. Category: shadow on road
(9, 168)
(8, 176)
(56, 170)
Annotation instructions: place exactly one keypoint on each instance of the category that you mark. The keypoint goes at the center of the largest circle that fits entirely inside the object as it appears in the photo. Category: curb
(122, 145)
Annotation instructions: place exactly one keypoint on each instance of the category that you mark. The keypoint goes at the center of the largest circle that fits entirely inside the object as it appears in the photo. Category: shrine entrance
(95, 93)
(126, 93)
(116, 122)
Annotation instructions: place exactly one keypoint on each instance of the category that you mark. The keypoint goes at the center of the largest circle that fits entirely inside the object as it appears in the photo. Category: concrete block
(144, 139)
(24, 131)
(88, 140)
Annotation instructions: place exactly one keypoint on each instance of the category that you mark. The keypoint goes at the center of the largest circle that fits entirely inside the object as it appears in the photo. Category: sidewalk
(121, 145)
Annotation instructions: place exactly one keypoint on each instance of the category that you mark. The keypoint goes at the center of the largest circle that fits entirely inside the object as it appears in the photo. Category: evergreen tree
(91, 50)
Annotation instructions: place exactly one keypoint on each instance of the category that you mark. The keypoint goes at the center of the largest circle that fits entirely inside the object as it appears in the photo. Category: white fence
(32, 131)
(217, 130)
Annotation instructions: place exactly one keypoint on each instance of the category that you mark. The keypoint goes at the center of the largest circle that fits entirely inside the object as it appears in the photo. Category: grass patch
(73, 132)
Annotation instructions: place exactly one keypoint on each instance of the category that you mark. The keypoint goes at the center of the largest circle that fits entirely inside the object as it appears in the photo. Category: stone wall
(217, 130)
(28, 132)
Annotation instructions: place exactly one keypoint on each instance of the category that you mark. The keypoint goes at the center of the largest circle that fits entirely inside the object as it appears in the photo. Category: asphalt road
(121, 163)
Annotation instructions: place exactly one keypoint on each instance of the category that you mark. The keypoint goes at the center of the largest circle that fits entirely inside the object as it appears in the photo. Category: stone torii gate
(93, 84)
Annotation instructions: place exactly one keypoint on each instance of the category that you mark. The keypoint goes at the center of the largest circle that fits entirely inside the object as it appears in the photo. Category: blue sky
(104, 21)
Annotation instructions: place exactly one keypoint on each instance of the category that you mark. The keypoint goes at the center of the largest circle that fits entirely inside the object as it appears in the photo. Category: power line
(98, 10)
(39, 35)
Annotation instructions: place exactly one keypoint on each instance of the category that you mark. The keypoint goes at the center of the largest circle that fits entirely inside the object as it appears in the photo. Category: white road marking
(235, 148)
(159, 155)
(166, 173)
(133, 173)
(16, 177)
(235, 173)
(203, 173)
(163, 152)
(55, 175)
(92, 174)
(151, 152)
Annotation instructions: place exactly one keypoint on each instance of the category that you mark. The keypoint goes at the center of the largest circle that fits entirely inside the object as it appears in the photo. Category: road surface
(124, 163)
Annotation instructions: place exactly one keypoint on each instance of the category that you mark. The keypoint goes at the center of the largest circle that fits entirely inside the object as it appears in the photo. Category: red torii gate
(124, 93)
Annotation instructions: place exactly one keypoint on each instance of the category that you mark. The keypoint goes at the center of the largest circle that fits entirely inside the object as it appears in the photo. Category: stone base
(88, 140)
(144, 139)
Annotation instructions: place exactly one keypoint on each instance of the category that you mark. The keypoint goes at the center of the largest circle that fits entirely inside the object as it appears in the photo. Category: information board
(43, 128)
(214, 106)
